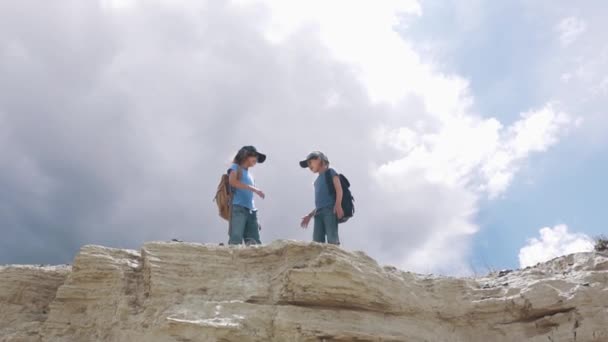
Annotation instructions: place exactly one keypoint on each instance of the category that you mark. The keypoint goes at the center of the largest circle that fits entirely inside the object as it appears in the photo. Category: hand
(305, 221)
(339, 211)
(259, 193)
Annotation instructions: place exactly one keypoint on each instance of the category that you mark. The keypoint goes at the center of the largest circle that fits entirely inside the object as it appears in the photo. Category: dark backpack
(348, 201)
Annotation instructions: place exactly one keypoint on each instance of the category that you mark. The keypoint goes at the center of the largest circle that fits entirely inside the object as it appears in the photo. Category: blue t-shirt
(324, 198)
(243, 197)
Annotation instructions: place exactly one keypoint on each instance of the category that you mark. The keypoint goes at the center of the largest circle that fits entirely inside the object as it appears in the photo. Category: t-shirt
(243, 197)
(323, 198)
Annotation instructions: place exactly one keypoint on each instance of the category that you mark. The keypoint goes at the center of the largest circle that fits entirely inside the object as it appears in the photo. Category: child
(328, 207)
(244, 219)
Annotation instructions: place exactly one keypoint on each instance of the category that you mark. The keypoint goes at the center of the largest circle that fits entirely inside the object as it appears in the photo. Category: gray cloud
(116, 125)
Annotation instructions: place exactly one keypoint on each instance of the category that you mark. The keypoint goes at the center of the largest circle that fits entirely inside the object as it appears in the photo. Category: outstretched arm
(236, 183)
(306, 219)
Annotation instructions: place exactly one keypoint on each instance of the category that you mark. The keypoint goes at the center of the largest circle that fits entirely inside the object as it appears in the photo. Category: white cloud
(464, 159)
(471, 152)
(569, 30)
(534, 132)
(358, 33)
(553, 242)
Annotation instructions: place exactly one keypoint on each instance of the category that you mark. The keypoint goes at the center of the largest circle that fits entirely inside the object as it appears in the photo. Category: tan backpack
(223, 196)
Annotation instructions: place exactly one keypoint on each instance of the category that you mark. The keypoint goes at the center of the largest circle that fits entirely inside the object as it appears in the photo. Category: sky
(473, 132)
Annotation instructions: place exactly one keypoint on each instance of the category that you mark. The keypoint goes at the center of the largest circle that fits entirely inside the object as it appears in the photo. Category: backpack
(348, 201)
(223, 195)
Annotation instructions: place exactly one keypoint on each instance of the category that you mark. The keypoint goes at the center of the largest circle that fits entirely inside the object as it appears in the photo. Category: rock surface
(25, 295)
(290, 291)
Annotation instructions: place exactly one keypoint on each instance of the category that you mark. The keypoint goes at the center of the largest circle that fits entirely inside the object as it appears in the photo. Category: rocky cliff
(289, 291)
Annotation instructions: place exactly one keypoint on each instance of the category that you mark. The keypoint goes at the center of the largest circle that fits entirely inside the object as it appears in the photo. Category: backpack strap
(239, 172)
(330, 181)
(239, 175)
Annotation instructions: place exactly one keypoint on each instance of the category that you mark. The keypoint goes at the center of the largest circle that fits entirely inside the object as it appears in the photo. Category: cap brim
(261, 157)
(304, 164)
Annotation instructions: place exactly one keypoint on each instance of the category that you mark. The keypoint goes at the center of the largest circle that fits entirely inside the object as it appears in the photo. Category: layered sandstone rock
(289, 291)
(25, 295)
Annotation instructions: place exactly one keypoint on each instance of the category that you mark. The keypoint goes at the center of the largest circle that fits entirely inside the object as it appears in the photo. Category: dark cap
(314, 155)
(252, 150)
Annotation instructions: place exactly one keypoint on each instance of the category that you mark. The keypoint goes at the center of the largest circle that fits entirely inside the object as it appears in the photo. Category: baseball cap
(313, 155)
(251, 149)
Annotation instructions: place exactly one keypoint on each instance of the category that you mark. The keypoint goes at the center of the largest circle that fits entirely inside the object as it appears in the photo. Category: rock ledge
(293, 291)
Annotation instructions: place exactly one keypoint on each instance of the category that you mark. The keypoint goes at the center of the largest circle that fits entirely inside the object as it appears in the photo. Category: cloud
(358, 34)
(445, 151)
(553, 242)
(450, 168)
(574, 72)
(529, 66)
(117, 119)
(569, 29)
(471, 152)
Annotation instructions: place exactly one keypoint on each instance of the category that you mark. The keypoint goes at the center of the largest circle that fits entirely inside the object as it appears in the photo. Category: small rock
(504, 273)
